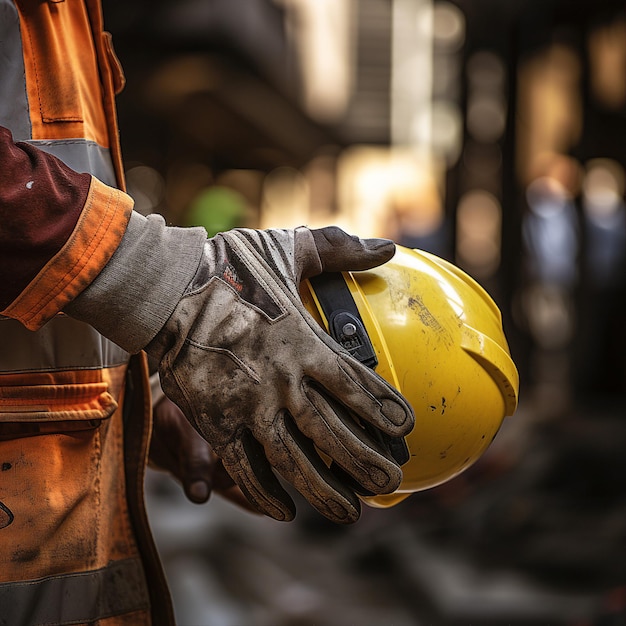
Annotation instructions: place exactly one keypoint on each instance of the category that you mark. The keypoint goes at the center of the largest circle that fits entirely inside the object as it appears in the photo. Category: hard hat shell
(438, 339)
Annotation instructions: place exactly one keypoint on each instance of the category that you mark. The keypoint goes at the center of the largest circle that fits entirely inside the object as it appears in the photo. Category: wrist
(137, 291)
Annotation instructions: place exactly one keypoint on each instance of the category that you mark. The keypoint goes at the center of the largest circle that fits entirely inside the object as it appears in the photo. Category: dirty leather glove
(262, 382)
(255, 374)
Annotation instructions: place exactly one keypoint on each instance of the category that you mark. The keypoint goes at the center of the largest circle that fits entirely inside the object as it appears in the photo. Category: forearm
(58, 230)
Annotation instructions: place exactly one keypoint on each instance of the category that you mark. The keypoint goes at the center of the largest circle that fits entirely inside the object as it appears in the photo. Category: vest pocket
(35, 403)
(62, 71)
(51, 403)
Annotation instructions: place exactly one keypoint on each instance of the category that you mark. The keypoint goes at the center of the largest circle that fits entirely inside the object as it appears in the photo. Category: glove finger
(336, 433)
(339, 251)
(294, 457)
(367, 395)
(245, 461)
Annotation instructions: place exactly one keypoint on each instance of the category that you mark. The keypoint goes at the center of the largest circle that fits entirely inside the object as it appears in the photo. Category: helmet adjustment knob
(349, 329)
(349, 332)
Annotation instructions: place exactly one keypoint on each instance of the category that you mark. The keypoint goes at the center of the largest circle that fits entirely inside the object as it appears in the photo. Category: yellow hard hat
(435, 334)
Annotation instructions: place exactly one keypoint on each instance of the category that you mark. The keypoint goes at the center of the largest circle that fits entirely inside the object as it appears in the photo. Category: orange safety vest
(74, 408)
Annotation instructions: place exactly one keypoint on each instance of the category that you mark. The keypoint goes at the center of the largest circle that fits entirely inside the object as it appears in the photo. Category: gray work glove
(252, 370)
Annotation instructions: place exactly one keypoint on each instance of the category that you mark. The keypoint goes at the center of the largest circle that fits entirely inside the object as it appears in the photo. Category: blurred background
(491, 133)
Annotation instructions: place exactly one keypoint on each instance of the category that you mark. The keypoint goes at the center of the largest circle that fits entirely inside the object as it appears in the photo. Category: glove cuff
(137, 291)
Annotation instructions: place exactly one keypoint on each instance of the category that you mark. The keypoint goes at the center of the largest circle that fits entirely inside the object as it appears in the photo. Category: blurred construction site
(491, 133)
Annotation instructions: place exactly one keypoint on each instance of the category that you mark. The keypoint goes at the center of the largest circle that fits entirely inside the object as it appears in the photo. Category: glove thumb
(339, 252)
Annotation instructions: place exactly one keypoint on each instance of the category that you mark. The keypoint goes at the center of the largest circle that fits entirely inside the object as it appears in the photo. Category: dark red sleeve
(40, 202)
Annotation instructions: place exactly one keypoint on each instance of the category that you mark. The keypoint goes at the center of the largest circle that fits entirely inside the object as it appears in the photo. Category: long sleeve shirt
(59, 228)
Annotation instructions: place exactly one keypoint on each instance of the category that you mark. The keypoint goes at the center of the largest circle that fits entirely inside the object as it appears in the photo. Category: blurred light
(563, 170)
(550, 108)
(217, 209)
(425, 112)
(381, 191)
(479, 219)
(605, 223)
(547, 197)
(550, 228)
(607, 57)
(448, 26)
(486, 108)
(247, 182)
(486, 117)
(447, 124)
(550, 316)
(447, 81)
(285, 202)
(418, 209)
(415, 204)
(603, 189)
(320, 173)
(322, 31)
(147, 188)
(412, 73)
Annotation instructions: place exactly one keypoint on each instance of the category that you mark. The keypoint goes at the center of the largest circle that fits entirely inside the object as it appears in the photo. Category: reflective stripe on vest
(13, 104)
(87, 596)
(82, 156)
(60, 344)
